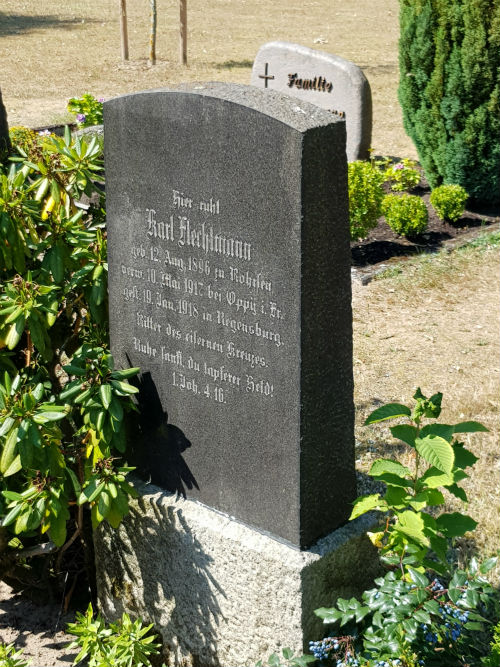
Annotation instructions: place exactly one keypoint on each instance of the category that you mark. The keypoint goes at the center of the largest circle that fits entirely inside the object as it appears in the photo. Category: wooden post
(152, 34)
(183, 31)
(123, 28)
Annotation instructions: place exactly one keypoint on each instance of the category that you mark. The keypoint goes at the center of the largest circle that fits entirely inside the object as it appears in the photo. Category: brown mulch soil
(382, 245)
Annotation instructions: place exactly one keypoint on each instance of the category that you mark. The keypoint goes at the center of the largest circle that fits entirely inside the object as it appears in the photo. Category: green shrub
(62, 403)
(405, 214)
(87, 108)
(449, 201)
(9, 657)
(449, 57)
(125, 643)
(402, 175)
(423, 611)
(365, 197)
(493, 659)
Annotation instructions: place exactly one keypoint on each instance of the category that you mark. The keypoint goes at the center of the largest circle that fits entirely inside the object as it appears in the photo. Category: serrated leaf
(458, 492)
(434, 478)
(455, 524)
(463, 457)
(366, 504)
(388, 411)
(411, 524)
(442, 430)
(405, 432)
(436, 451)
(469, 427)
(396, 496)
(388, 465)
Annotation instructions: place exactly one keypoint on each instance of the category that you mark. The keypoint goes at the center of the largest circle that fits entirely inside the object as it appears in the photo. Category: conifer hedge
(449, 56)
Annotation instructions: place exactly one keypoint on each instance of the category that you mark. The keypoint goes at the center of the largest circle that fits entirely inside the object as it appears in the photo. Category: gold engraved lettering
(319, 83)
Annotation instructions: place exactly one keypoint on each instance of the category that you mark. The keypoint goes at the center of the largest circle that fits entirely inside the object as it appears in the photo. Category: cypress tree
(449, 57)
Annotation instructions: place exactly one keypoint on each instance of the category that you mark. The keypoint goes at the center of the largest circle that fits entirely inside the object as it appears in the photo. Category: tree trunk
(4, 131)
(152, 34)
(183, 31)
(123, 29)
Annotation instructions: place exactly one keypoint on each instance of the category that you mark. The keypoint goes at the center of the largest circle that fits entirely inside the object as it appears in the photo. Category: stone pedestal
(219, 592)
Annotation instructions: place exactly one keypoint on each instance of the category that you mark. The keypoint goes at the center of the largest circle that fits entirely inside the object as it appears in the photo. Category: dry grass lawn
(54, 50)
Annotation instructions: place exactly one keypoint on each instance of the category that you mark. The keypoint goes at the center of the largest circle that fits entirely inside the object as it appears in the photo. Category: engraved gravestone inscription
(230, 288)
(321, 78)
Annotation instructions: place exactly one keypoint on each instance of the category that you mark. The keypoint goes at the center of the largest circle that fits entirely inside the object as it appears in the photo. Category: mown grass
(431, 270)
(432, 321)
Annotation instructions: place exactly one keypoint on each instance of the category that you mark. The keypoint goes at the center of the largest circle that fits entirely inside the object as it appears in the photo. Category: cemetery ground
(430, 321)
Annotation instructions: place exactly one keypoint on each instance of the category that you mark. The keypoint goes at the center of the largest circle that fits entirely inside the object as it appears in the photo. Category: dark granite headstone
(230, 287)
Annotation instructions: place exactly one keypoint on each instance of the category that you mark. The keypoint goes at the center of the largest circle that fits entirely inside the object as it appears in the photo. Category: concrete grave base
(219, 592)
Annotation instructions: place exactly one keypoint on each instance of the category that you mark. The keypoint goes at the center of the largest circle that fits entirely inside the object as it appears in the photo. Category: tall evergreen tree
(449, 56)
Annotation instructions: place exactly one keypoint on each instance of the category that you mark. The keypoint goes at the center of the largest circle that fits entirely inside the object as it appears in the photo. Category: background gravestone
(229, 285)
(329, 81)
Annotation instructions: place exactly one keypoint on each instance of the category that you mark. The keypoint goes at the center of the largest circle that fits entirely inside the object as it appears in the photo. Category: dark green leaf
(458, 492)
(455, 524)
(463, 457)
(388, 411)
(442, 430)
(469, 427)
(405, 432)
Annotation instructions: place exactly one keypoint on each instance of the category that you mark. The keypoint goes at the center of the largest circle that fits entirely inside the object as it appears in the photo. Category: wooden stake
(123, 28)
(152, 34)
(183, 31)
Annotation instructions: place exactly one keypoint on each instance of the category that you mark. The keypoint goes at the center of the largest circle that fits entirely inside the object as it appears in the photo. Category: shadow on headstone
(186, 593)
(159, 445)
